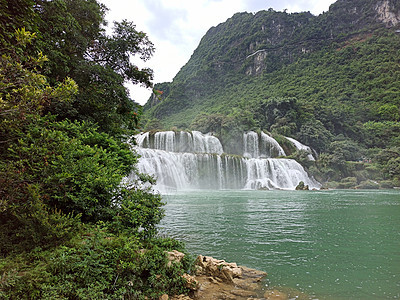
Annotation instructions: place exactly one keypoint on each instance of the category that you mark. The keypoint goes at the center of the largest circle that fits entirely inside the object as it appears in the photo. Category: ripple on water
(330, 244)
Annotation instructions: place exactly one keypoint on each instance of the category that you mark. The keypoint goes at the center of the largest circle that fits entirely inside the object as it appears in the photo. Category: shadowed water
(327, 244)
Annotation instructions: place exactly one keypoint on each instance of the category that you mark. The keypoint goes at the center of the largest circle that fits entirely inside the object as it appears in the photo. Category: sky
(175, 27)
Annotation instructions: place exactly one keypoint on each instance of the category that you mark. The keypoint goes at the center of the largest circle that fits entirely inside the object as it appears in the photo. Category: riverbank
(349, 183)
(218, 279)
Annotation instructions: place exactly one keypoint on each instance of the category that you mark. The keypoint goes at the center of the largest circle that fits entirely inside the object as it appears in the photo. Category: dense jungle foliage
(331, 81)
(69, 229)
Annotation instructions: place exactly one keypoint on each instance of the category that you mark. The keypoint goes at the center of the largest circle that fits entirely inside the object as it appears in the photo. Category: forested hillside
(331, 81)
(69, 227)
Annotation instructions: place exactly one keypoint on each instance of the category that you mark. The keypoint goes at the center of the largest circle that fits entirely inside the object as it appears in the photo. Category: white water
(301, 146)
(193, 142)
(261, 146)
(276, 174)
(270, 145)
(192, 160)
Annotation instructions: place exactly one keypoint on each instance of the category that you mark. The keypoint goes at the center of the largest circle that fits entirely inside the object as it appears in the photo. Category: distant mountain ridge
(252, 43)
(330, 81)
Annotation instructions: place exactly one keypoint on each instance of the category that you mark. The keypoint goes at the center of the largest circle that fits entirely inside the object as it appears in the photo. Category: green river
(326, 244)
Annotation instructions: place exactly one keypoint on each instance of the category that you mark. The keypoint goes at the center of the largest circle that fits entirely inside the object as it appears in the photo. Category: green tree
(72, 36)
(70, 227)
(15, 14)
(390, 112)
(314, 133)
(56, 173)
(389, 161)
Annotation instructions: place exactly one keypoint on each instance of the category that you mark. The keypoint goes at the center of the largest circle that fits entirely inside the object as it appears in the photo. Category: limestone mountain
(331, 81)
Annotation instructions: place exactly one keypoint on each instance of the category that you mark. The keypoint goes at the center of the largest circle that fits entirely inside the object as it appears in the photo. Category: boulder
(217, 268)
(219, 279)
(302, 187)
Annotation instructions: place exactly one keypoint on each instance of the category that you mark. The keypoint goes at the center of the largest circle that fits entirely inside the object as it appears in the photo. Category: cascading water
(300, 146)
(275, 173)
(261, 146)
(191, 142)
(270, 147)
(251, 146)
(192, 160)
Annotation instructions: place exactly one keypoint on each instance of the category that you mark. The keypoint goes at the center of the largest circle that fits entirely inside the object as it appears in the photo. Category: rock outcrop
(387, 14)
(174, 256)
(302, 187)
(220, 269)
(218, 279)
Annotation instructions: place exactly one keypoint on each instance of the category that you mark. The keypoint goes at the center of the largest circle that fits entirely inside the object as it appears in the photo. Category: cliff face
(388, 13)
(246, 44)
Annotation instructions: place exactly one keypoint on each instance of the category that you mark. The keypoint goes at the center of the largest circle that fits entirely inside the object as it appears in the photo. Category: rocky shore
(218, 279)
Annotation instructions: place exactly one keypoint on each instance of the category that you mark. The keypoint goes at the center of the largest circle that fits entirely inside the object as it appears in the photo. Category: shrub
(96, 265)
(60, 172)
(368, 184)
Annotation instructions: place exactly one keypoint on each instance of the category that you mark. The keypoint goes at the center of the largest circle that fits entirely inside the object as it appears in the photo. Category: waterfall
(275, 173)
(251, 146)
(270, 147)
(192, 160)
(261, 146)
(300, 146)
(191, 142)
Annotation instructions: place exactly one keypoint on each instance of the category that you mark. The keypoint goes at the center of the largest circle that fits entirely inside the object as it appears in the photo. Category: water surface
(328, 244)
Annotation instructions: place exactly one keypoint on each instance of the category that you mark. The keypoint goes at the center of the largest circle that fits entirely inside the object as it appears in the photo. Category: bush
(59, 172)
(368, 185)
(386, 184)
(96, 265)
(347, 183)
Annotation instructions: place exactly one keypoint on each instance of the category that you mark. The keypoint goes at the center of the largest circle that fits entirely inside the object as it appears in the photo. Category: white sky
(176, 27)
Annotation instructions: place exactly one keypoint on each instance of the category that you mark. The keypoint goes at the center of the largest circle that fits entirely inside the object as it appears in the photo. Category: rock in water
(302, 187)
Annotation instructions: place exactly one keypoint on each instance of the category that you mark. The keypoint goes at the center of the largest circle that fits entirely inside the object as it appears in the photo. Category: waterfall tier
(261, 146)
(192, 160)
(300, 146)
(255, 145)
(182, 141)
(179, 171)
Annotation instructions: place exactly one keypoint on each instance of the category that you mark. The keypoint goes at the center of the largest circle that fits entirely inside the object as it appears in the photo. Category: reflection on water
(329, 244)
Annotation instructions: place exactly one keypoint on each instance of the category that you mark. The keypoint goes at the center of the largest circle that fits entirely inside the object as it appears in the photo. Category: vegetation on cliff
(69, 229)
(330, 81)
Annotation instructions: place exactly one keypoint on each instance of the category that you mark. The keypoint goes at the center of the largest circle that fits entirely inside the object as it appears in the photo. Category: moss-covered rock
(302, 187)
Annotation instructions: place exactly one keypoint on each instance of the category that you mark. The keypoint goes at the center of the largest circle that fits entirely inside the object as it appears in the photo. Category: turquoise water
(327, 244)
